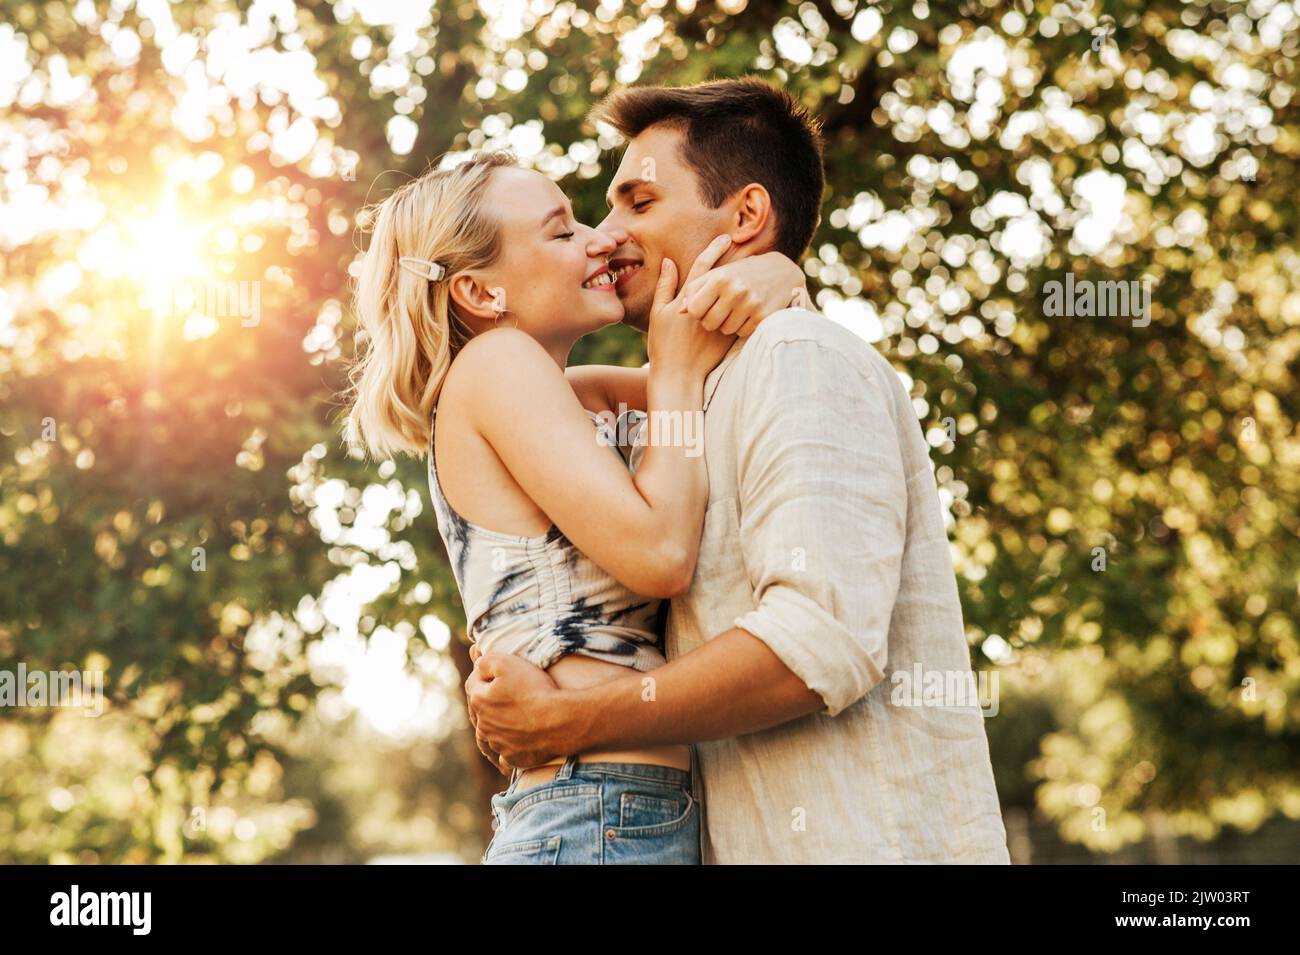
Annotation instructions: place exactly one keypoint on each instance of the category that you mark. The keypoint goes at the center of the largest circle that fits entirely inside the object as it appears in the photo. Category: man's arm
(823, 505)
(823, 494)
(731, 685)
(823, 522)
(522, 719)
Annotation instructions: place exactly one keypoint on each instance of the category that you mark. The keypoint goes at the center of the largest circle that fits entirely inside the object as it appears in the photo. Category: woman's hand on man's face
(735, 298)
(676, 340)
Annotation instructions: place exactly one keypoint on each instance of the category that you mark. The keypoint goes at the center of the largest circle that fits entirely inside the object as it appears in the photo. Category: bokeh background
(281, 640)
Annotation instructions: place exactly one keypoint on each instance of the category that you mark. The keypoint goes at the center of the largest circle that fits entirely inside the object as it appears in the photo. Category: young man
(824, 563)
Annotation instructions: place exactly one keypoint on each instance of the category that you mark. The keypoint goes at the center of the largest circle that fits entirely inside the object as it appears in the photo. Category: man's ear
(752, 214)
(473, 298)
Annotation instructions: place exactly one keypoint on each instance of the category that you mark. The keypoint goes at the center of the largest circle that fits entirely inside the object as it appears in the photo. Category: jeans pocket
(547, 801)
(653, 812)
(528, 852)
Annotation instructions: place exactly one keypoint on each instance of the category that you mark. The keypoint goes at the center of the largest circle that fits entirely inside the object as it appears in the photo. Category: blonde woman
(476, 284)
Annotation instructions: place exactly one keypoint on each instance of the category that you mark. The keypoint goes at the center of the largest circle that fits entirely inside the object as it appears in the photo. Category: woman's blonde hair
(409, 330)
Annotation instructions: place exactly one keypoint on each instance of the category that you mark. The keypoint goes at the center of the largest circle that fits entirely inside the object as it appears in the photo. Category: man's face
(657, 210)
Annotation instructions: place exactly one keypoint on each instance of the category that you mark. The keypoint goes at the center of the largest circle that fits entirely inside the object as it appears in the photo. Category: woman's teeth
(596, 281)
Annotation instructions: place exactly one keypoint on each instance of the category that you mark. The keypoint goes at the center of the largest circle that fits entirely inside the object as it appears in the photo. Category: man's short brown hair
(736, 132)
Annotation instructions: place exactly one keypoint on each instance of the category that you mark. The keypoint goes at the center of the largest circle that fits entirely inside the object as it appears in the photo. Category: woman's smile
(602, 280)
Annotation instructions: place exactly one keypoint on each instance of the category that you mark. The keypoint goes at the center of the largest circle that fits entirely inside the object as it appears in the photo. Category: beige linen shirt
(824, 539)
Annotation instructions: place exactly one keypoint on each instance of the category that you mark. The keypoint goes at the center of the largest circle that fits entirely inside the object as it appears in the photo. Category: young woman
(476, 285)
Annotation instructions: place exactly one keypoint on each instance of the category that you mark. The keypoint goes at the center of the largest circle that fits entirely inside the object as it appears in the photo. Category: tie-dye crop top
(540, 597)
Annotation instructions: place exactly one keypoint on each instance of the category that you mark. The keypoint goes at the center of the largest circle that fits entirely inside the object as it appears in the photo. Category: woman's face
(551, 274)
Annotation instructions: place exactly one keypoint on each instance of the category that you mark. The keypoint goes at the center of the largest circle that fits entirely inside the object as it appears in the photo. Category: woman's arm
(736, 297)
(644, 530)
(733, 299)
(606, 387)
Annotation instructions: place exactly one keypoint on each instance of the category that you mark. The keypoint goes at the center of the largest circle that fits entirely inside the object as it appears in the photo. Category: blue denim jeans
(598, 814)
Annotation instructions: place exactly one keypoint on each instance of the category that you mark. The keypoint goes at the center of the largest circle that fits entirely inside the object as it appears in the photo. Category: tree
(177, 222)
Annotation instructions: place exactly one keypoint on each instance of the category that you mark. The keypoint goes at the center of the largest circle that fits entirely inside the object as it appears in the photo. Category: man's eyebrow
(624, 187)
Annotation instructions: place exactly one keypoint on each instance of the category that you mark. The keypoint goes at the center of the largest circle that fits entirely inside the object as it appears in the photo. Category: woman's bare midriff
(574, 672)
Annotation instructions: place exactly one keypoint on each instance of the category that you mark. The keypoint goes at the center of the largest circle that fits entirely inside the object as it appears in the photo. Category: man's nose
(601, 243)
(611, 228)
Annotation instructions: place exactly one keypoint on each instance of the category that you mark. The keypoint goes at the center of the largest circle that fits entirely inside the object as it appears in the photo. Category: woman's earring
(498, 303)
(498, 306)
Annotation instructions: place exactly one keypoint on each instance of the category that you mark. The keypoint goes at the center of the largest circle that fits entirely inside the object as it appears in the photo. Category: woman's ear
(753, 214)
(473, 298)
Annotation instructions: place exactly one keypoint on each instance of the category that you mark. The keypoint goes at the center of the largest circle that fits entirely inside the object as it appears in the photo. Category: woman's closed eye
(564, 235)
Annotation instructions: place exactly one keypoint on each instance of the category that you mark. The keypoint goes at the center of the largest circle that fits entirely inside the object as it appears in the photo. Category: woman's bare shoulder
(504, 373)
(496, 362)
(497, 352)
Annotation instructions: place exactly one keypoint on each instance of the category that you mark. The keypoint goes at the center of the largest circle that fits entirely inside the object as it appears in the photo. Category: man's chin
(636, 313)
(638, 322)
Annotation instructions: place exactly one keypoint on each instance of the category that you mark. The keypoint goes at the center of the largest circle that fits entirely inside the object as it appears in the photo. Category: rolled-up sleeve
(823, 514)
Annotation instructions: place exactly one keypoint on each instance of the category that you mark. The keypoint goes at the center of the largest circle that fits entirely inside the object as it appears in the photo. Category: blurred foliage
(1123, 497)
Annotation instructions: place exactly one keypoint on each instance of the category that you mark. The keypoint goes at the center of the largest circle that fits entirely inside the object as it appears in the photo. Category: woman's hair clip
(432, 271)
